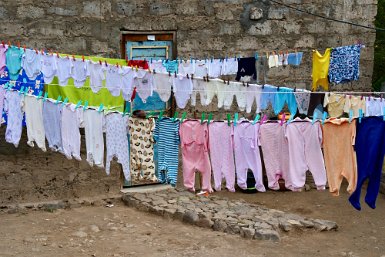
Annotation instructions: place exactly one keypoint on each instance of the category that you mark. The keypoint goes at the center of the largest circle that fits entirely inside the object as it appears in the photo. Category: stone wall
(203, 28)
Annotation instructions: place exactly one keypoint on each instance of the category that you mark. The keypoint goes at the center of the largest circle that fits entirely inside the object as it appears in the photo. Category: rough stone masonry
(203, 29)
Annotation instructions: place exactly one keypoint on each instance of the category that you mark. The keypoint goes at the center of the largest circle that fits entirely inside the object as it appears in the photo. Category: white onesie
(64, 70)
(211, 91)
(33, 109)
(114, 80)
(253, 95)
(128, 78)
(96, 73)
(93, 127)
(157, 66)
(145, 84)
(31, 63)
(241, 96)
(13, 107)
(273, 61)
(49, 67)
(163, 86)
(117, 142)
(230, 66)
(215, 68)
(226, 93)
(201, 69)
(199, 87)
(182, 87)
(71, 120)
(186, 67)
(80, 72)
(374, 106)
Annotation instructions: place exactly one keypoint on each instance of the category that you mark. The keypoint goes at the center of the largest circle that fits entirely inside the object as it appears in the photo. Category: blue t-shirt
(14, 56)
(171, 66)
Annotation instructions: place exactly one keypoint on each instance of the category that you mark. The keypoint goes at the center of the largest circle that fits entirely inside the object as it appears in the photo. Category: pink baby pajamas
(275, 151)
(194, 142)
(222, 154)
(305, 153)
(247, 154)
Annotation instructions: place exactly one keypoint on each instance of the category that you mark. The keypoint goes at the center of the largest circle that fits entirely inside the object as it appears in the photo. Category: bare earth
(122, 231)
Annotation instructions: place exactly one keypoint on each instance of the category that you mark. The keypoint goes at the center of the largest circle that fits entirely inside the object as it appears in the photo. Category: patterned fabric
(142, 149)
(303, 99)
(345, 64)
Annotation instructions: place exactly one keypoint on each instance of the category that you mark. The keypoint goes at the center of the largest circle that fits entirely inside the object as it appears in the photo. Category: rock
(233, 229)
(325, 225)
(190, 217)
(94, 228)
(80, 234)
(307, 223)
(219, 225)
(266, 234)
(263, 225)
(169, 213)
(179, 214)
(285, 226)
(204, 221)
(255, 13)
(156, 210)
(172, 201)
(247, 233)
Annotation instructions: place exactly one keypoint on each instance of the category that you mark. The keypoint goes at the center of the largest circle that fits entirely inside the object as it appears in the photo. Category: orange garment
(340, 157)
(321, 69)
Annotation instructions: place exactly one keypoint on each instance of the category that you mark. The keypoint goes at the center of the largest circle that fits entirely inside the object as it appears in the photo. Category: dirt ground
(122, 231)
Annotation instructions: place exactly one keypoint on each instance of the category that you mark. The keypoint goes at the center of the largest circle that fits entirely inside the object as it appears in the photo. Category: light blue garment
(171, 66)
(52, 125)
(295, 58)
(282, 98)
(268, 96)
(166, 135)
(13, 61)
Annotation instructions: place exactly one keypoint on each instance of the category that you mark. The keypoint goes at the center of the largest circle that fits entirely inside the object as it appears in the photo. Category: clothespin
(100, 62)
(68, 57)
(169, 74)
(2, 42)
(8, 86)
(83, 58)
(175, 74)
(350, 115)
(21, 90)
(161, 115)
(360, 115)
(325, 115)
(264, 118)
(203, 117)
(36, 51)
(18, 44)
(256, 119)
(40, 94)
(148, 115)
(105, 62)
(314, 118)
(256, 56)
(85, 105)
(9, 43)
(126, 110)
(58, 99)
(183, 117)
(65, 101)
(176, 114)
(25, 91)
(73, 57)
(57, 54)
(283, 118)
(210, 118)
(101, 107)
(78, 104)
(45, 96)
(235, 119)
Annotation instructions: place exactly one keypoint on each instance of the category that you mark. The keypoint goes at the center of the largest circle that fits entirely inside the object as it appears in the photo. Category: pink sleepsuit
(222, 154)
(247, 156)
(195, 154)
(305, 140)
(275, 151)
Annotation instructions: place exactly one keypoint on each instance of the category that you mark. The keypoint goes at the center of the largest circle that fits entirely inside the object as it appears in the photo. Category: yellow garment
(321, 69)
(355, 103)
(335, 104)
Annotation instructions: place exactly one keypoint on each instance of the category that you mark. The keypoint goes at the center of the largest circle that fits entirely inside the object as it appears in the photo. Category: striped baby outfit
(166, 135)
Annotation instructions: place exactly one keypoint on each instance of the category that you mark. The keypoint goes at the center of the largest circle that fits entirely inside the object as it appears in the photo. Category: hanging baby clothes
(229, 66)
(304, 140)
(64, 70)
(247, 155)
(142, 149)
(226, 93)
(354, 103)
(33, 87)
(295, 59)
(128, 80)
(340, 158)
(241, 97)
(222, 154)
(166, 135)
(335, 104)
(199, 87)
(321, 69)
(214, 68)
(285, 95)
(80, 72)
(33, 109)
(157, 66)
(52, 125)
(201, 69)
(31, 63)
(344, 64)
(14, 57)
(303, 100)
(370, 149)
(13, 107)
(280, 59)
(171, 66)
(268, 96)
(163, 86)
(182, 87)
(142, 64)
(246, 69)
(275, 152)
(97, 75)
(273, 61)
(114, 82)
(145, 84)
(117, 142)
(194, 143)
(93, 128)
(374, 106)
(186, 67)
(253, 94)
(316, 104)
(3, 50)
(49, 67)
(71, 120)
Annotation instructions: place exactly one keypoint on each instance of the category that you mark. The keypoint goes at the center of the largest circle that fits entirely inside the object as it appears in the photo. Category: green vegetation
(379, 48)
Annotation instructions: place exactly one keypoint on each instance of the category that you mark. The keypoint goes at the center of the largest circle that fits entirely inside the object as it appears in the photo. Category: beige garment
(355, 103)
(142, 149)
(339, 155)
(335, 104)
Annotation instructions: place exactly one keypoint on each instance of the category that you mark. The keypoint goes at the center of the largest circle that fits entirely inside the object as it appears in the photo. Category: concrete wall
(204, 28)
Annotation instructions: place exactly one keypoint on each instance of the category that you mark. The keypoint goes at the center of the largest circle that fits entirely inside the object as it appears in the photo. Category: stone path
(234, 217)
